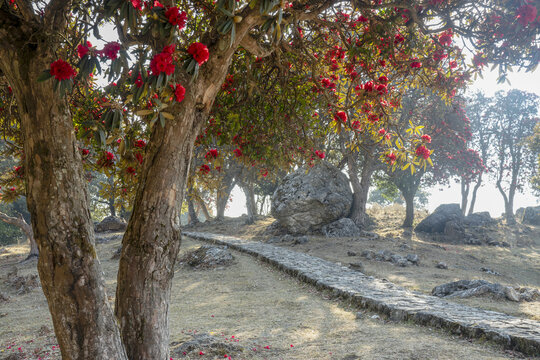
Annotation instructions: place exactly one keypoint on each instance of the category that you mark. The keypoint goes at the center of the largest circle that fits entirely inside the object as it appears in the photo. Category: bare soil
(269, 314)
(518, 265)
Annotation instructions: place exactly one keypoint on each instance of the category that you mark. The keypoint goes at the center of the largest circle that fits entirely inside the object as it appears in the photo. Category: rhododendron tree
(155, 50)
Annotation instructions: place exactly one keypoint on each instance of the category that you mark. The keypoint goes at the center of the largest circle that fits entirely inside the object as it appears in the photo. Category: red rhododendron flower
(426, 138)
(383, 79)
(137, 4)
(179, 92)
(139, 81)
(368, 86)
(61, 70)
(381, 89)
(82, 49)
(356, 125)
(422, 151)
(445, 39)
(85, 152)
(140, 144)
(452, 64)
(416, 64)
(320, 154)
(139, 157)
(130, 170)
(199, 52)
(526, 14)
(264, 173)
(373, 117)
(340, 115)
(176, 17)
(211, 154)
(162, 62)
(237, 152)
(106, 160)
(391, 158)
(382, 131)
(204, 169)
(111, 50)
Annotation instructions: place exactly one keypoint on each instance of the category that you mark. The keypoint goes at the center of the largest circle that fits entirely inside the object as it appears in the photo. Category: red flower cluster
(130, 170)
(106, 160)
(141, 144)
(83, 49)
(139, 81)
(139, 157)
(526, 14)
(237, 152)
(211, 154)
(61, 70)
(391, 158)
(179, 92)
(320, 154)
(176, 17)
(340, 115)
(163, 62)
(422, 151)
(445, 38)
(137, 4)
(426, 138)
(110, 50)
(199, 52)
(416, 64)
(383, 79)
(205, 169)
(382, 131)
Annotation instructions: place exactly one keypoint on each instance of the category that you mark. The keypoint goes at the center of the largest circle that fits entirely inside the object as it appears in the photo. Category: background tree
(514, 115)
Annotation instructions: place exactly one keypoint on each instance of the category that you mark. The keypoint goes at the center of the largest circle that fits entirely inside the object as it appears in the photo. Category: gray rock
(479, 219)
(208, 256)
(351, 253)
(489, 271)
(301, 240)
(402, 262)
(342, 228)
(273, 240)
(441, 265)
(3, 298)
(470, 288)
(531, 215)
(358, 266)
(404, 247)
(304, 203)
(111, 223)
(455, 231)
(436, 222)
(395, 258)
(368, 254)
(287, 238)
(413, 258)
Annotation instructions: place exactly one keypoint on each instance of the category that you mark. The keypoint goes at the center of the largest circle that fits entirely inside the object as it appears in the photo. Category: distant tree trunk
(261, 206)
(408, 188)
(465, 187)
(203, 207)
(475, 190)
(26, 229)
(247, 188)
(223, 193)
(360, 187)
(409, 210)
(192, 214)
(112, 199)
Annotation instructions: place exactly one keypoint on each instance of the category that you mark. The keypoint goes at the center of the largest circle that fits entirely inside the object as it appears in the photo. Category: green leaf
(144, 112)
(45, 75)
(162, 120)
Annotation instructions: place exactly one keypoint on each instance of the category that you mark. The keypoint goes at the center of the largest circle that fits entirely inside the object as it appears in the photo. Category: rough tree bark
(203, 207)
(223, 193)
(193, 219)
(26, 229)
(152, 239)
(360, 187)
(408, 186)
(57, 197)
(251, 206)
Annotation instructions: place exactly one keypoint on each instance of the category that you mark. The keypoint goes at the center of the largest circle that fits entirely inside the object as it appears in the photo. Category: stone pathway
(397, 303)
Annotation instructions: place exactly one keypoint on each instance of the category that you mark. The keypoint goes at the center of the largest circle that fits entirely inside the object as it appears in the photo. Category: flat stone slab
(389, 299)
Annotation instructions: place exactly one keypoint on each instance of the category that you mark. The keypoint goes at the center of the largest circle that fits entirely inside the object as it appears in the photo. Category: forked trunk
(251, 206)
(475, 190)
(465, 187)
(360, 188)
(57, 198)
(223, 194)
(26, 229)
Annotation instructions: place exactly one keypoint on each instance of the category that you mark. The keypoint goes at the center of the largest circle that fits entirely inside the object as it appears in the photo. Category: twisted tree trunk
(360, 187)
(26, 229)
(475, 190)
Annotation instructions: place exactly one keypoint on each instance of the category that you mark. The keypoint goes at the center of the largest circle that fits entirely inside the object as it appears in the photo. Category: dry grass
(257, 304)
(518, 265)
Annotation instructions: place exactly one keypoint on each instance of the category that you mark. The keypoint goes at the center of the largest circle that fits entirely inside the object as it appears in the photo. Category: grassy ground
(518, 265)
(258, 305)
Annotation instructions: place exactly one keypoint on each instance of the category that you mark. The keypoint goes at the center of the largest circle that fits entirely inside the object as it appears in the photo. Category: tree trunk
(58, 201)
(26, 229)
(508, 204)
(465, 187)
(247, 187)
(112, 200)
(360, 188)
(475, 190)
(204, 209)
(409, 210)
(223, 193)
(193, 219)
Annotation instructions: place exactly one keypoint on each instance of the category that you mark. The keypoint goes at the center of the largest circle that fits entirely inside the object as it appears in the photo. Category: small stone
(301, 240)
(511, 294)
(490, 271)
(441, 265)
(404, 247)
(287, 238)
(368, 254)
(413, 258)
(402, 262)
(358, 266)
(375, 317)
(395, 258)
(273, 240)
(359, 315)
(351, 253)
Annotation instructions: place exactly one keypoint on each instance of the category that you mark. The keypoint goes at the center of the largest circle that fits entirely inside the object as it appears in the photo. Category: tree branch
(56, 14)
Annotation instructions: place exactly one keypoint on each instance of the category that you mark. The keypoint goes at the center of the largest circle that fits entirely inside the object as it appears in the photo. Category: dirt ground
(250, 304)
(518, 265)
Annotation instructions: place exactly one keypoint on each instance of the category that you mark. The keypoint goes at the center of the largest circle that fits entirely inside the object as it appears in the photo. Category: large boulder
(305, 202)
(530, 215)
(111, 223)
(436, 222)
(479, 219)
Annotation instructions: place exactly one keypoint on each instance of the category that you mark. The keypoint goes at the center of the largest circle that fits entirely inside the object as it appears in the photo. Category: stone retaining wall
(397, 303)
